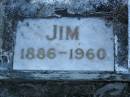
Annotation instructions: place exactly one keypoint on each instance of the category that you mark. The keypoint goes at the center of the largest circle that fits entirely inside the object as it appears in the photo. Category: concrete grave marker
(64, 40)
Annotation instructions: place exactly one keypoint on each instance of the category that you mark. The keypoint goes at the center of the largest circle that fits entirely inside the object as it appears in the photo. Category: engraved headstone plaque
(64, 44)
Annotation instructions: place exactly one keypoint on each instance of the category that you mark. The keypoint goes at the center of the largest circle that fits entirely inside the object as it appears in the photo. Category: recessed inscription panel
(64, 44)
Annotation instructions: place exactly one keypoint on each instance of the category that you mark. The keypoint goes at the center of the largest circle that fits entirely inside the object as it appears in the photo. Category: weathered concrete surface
(17, 9)
(64, 89)
(73, 88)
(115, 10)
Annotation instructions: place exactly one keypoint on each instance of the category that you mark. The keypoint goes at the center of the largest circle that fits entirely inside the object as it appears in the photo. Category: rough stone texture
(121, 22)
(1, 23)
(64, 88)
